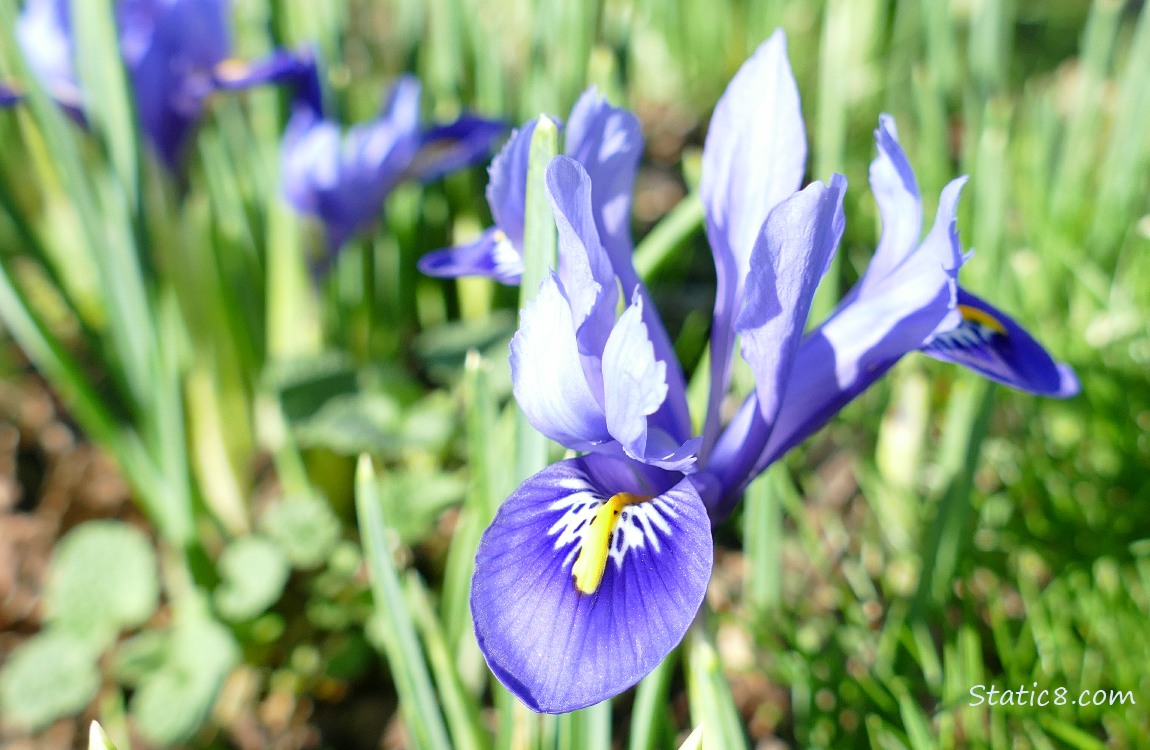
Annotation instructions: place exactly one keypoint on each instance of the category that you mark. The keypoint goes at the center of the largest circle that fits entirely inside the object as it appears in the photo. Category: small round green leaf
(49, 676)
(254, 571)
(304, 527)
(102, 579)
(173, 702)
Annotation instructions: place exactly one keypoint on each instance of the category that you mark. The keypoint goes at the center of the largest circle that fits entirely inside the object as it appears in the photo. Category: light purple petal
(507, 184)
(344, 179)
(754, 157)
(608, 142)
(584, 267)
(547, 373)
(992, 344)
(794, 249)
(559, 649)
(846, 354)
(634, 388)
(900, 206)
(491, 255)
(44, 32)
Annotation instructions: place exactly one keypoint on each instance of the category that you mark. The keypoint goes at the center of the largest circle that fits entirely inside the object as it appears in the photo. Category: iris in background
(173, 51)
(344, 178)
(594, 568)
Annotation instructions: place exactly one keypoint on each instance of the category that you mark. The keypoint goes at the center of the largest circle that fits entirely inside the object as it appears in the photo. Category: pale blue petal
(754, 157)
(794, 249)
(547, 373)
(608, 142)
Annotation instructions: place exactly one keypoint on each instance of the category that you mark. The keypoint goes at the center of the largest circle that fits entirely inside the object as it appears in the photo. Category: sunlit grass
(942, 533)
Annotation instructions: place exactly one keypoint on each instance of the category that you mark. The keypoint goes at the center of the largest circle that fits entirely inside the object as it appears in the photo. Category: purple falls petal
(296, 68)
(455, 145)
(491, 255)
(753, 157)
(547, 373)
(556, 648)
(634, 388)
(792, 253)
(992, 344)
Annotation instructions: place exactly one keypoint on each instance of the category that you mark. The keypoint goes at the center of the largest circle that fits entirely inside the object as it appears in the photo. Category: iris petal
(791, 255)
(900, 206)
(491, 255)
(754, 156)
(547, 373)
(344, 179)
(841, 358)
(507, 186)
(608, 142)
(455, 145)
(555, 647)
(989, 342)
(584, 266)
(634, 388)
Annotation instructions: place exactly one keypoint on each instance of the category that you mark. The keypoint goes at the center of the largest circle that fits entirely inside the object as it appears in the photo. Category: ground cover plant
(332, 330)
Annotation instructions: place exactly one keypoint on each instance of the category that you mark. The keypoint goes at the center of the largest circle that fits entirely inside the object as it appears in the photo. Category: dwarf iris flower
(594, 568)
(175, 53)
(605, 140)
(344, 178)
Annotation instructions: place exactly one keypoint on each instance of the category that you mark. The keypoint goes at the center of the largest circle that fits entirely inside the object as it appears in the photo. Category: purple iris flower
(344, 178)
(9, 95)
(908, 299)
(605, 140)
(172, 50)
(593, 569)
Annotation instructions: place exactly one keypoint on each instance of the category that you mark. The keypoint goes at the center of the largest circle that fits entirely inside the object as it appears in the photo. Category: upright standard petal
(792, 253)
(589, 575)
(846, 354)
(900, 207)
(989, 342)
(608, 142)
(591, 281)
(507, 184)
(754, 156)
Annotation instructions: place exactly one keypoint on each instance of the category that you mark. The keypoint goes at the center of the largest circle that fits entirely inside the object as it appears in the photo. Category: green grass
(941, 533)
